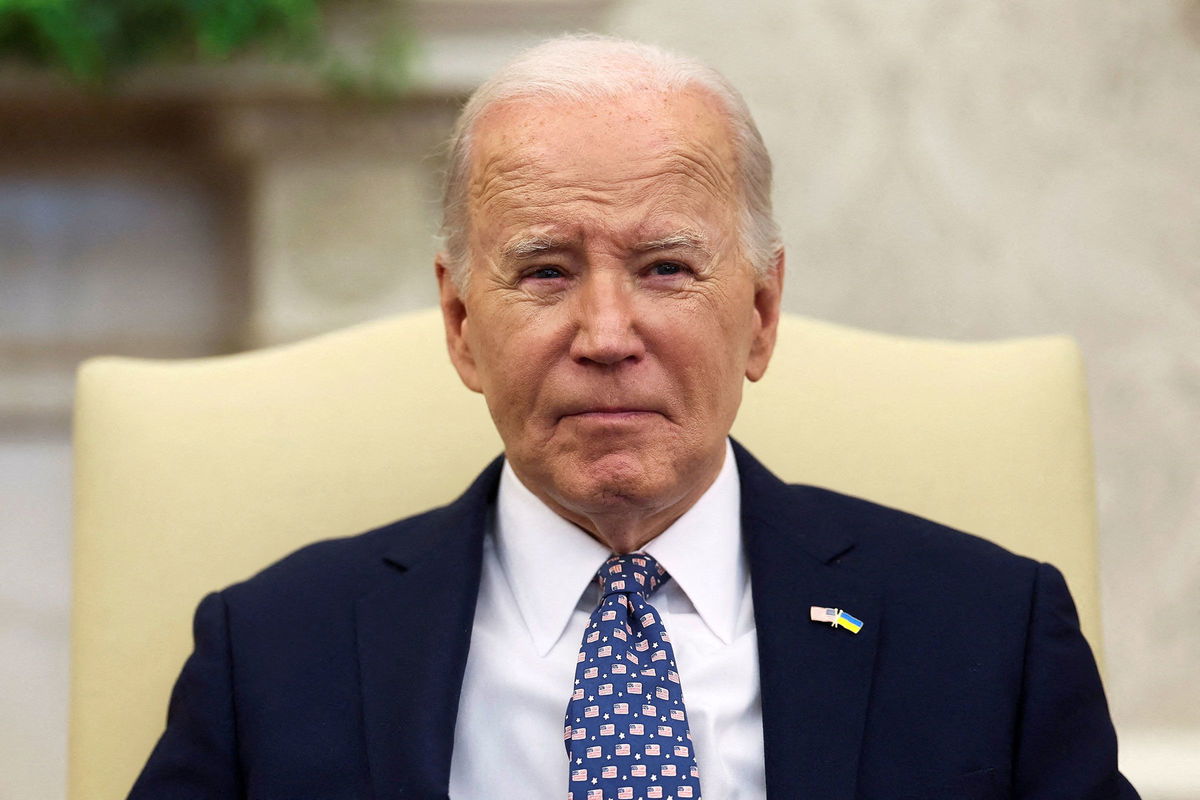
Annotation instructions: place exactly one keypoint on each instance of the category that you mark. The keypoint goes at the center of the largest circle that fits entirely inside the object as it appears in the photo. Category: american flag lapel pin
(835, 617)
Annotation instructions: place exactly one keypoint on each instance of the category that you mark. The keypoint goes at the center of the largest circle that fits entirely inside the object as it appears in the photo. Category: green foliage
(93, 40)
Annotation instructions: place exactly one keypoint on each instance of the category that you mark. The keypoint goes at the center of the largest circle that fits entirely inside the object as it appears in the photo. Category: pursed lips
(610, 413)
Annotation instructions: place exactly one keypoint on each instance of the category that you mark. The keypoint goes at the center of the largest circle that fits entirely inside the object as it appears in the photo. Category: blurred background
(182, 179)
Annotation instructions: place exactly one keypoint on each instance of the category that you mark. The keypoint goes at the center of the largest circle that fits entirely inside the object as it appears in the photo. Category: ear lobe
(454, 318)
(768, 294)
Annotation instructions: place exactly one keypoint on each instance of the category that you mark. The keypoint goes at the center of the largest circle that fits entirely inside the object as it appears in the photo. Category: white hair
(587, 68)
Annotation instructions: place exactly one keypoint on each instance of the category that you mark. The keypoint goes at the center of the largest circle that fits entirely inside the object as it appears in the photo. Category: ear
(454, 317)
(767, 296)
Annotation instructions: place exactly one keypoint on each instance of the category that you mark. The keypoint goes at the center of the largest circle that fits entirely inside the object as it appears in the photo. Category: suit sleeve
(1066, 744)
(196, 757)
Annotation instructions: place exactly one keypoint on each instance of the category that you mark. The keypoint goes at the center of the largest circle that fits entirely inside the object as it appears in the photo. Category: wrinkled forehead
(614, 150)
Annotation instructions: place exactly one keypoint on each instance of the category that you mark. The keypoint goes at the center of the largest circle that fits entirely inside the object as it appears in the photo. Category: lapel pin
(835, 617)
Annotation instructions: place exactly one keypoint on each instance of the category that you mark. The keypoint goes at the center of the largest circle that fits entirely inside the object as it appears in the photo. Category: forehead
(644, 156)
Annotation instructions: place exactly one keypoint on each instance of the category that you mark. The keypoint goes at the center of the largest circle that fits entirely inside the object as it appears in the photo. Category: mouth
(614, 414)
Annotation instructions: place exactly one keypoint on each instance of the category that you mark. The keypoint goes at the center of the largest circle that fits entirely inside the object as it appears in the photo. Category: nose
(606, 330)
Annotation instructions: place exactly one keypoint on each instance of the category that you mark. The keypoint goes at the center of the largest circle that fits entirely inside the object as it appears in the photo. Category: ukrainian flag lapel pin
(835, 617)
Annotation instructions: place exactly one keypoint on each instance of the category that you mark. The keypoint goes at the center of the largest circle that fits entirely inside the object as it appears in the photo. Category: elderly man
(628, 605)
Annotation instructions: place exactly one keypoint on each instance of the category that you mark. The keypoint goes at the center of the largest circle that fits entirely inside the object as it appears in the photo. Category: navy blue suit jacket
(336, 672)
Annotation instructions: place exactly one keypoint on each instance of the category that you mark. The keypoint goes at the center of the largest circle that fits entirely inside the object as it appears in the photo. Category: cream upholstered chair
(193, 474)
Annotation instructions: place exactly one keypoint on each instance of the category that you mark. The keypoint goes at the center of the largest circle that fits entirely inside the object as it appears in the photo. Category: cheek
(717, 345)
(512, 357)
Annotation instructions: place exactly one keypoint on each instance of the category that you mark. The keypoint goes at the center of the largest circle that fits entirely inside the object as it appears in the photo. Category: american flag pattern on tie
(626, 729)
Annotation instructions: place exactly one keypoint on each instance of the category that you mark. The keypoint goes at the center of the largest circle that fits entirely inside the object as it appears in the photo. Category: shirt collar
(703, 552)
(549, 562)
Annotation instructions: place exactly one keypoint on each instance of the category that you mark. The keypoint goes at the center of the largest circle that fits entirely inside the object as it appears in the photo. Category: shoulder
(351, 566)
(974, 592)
(902, 538)
(863, 536)
(895, 553)
(326, 573)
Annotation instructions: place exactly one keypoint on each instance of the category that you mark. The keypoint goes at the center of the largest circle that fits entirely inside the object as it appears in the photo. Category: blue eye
(546, 273)
(668, 268)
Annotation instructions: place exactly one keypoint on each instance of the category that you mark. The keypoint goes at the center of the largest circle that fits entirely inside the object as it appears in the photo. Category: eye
(668, 268)
(545, 273)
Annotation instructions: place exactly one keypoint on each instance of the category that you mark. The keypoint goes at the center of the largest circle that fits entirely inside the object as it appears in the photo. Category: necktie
(626, 732)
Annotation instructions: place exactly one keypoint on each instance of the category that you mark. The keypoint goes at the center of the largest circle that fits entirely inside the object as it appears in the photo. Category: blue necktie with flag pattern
(626, 731)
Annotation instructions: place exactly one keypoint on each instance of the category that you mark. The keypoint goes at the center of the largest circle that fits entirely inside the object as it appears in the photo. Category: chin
(619, 481)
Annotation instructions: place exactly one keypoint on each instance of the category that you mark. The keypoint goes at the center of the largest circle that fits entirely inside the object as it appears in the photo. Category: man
(611, 275)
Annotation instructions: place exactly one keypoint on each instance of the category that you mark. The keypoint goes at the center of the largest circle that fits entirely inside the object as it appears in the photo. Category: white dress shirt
(536, 595)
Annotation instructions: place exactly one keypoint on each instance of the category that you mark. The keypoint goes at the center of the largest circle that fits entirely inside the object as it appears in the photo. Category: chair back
(194, 474)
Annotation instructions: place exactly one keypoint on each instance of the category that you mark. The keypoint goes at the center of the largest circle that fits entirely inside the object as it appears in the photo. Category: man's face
(610, 317)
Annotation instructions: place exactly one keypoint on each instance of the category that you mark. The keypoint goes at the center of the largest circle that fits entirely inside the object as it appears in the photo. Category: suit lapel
(816, 679)
(414, 631)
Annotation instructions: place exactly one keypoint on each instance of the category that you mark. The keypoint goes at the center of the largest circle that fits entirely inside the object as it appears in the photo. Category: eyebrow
(527, 246)
(687, 239)
(523, 247)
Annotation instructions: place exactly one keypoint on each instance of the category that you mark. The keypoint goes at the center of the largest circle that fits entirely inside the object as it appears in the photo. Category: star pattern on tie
(626, 729)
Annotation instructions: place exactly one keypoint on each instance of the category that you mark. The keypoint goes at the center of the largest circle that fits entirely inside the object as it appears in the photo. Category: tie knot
(632, 572)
